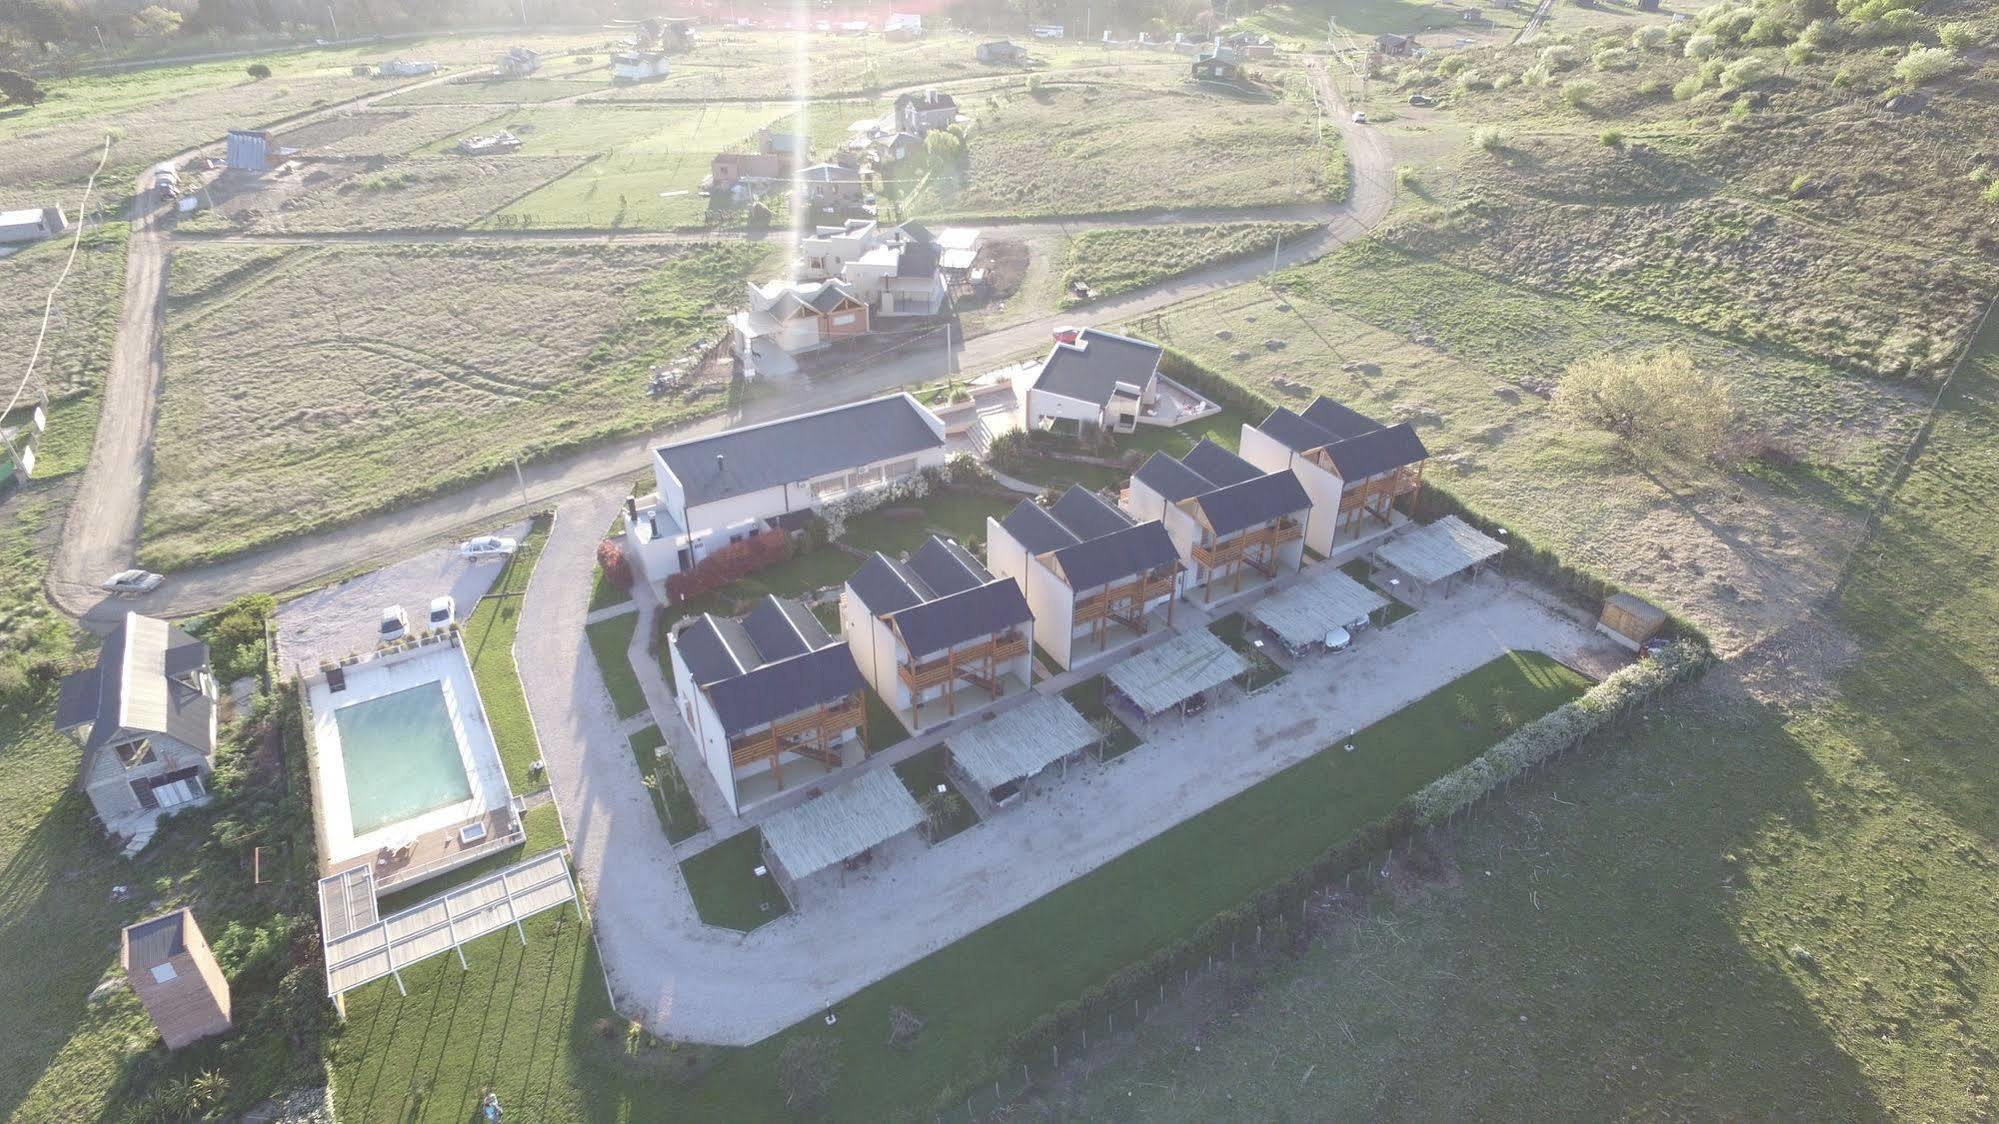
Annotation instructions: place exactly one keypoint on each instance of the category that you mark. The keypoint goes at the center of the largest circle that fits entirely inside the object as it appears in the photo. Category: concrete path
(694, 981)
(101, 535)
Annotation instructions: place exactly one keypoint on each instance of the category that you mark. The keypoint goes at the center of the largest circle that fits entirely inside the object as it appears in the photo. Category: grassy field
(489, 642)
(725, 888)
(1812, 828)
(407, 193)
(609, 639)
(1114, 261)
(1087, 147)
(433, 366)
(75, 352)
(921, 775)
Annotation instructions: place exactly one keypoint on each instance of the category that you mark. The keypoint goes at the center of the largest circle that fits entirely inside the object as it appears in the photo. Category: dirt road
(103, 534)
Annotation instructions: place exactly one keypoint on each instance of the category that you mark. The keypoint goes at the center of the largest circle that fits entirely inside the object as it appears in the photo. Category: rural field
(81, 324)
(1109, 262)
(458, 360)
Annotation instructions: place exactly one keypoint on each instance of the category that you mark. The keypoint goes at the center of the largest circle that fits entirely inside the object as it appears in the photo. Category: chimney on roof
(718, 462)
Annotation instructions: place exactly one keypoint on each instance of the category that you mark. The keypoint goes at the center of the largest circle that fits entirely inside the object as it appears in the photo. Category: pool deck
(429, 843)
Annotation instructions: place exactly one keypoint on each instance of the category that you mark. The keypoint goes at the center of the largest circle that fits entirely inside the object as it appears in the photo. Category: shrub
(1578, 93)
(730, 563)
(1657, 402)
(1613, 58)
(1701, 46)
(1991, 193)
(1471, 81)
(20, 89)
(1653, 87)
(1490, 138)
(1406, 178)
(617, 568)
(1614, 138)
(1561, 56)
(1745, 72)
(1958, 35)
(1925, 64)
(1651, 37)
(258, 71)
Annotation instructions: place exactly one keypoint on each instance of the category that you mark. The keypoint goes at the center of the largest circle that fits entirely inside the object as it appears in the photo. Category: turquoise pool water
(401, 757)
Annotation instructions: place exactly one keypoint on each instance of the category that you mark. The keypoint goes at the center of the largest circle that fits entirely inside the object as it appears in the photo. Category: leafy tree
(258, 71)
(1657, 402)
(944, 149)
(154, 22)
(18, 88)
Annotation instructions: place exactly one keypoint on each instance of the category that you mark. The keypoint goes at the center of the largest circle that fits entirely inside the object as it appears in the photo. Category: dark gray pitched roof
(829, 296)
(882, 588)
(1360, 457)
(1294, 432)
(928, 99)
(1090, 369)
(156, 941)
(1116, 556)
(946, 570)
(786, 687)
(1086, 514)
(137, 686)
(799, 448)
(771, 629)
(918, 259)
(1171, 479)
(77, 703)
(1339, 420)
(1252, 502)
(703, 650)
(1219, 465)
(1035, 529)
(955, 618)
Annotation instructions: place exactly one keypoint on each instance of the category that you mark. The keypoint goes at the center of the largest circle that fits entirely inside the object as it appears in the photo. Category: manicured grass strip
(543, 826)
(610, 640)
(1088, 699)
(670, 796)
(884, 729)
(961, 515)
(603, 594)
(921, 775)
(489, 642)
(726, 889)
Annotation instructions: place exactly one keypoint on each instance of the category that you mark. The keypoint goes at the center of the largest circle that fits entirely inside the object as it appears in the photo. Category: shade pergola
(871, 809)
(1175, 671)
(1021, 742)
(1444, 548)
(361, 949)
(1304, 613)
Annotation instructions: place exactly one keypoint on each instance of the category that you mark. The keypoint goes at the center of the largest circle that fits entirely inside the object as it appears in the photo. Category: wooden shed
(175, 975)
(1629, 621)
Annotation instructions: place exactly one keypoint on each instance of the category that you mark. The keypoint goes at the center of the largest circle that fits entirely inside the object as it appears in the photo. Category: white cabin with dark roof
(1086, 569)
(937, 626)
(146, 718)
(1225, 515)
(1363, 477)
(1100, 380)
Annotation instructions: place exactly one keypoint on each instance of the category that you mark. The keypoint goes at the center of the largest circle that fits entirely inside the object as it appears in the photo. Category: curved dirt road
(102, 534)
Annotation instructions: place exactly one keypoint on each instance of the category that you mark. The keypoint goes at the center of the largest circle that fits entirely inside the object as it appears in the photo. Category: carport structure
(1431, 556)
(995, 760)
(1303, 614)
(839, 830)
(1161, 678)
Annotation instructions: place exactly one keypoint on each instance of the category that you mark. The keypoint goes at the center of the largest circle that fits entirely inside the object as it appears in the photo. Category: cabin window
(843, 319)
(135, 754)
(902, 468)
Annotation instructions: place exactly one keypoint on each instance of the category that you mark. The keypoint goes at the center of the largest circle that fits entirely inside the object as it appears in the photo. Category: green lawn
(725, 887)
(954, 514)
(1088, 699)
(603, 594)
(922, 774)
(489, 644)
(610, 640)
(884, 729)
(670, 797)
(1263, 670)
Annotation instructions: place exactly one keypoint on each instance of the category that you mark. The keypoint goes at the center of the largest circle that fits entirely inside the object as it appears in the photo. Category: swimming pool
(400, 755)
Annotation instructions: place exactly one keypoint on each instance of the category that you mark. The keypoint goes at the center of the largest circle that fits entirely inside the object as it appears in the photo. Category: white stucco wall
(1042, 404)
(1271, 455)
(705, 725)
(1047, 598)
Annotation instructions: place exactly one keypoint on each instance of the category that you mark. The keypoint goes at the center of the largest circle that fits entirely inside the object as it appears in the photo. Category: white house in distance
(145, 716)
(936, 627)
(727, 486)
(32, 224)
(1225, 515)
(1356, 470)
(638, 66)
(786, 319)
(1097, 379)
(766, 695)
(895, 270)
(920, 113)
(1086, 568)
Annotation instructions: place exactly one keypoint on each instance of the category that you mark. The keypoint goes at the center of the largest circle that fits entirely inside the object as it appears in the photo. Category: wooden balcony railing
(951, 665)
(1257, 547)
(811, 734)
(1136, 591)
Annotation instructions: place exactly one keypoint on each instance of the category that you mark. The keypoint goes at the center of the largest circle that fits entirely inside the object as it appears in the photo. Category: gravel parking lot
(342, 619)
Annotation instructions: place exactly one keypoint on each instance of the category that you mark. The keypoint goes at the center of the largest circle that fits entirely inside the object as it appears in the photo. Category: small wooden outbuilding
(1630, 621)
(175, 975)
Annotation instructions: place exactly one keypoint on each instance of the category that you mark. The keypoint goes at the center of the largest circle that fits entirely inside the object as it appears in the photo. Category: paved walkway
(694, 981)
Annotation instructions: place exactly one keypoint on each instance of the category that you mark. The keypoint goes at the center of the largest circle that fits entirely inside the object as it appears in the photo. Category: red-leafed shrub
(730, 563)
(617, 568)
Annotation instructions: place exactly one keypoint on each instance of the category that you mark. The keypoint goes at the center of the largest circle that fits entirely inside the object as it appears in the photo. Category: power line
(48, 305)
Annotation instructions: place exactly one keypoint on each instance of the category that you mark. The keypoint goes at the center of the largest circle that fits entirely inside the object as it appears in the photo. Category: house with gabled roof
(786, 319)
(1095, 380)
(1364, 477)
(770, 697)
(146, 718)
(1226, 516)
(1090, 572)
(727, 486)
(937, 631)
(920, 113)
(1218, 64)
(832, 186)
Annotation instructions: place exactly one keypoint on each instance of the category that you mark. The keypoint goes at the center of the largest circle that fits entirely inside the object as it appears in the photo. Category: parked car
(1338, 640)
(1359, 118)
(1195, 704)
(1421, 100)
(442, 611)
(395, 625)
(133, 581)
(487, 547)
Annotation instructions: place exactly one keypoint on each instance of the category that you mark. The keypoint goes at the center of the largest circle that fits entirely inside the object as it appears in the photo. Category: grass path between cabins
(533, 1022)
(489, 641)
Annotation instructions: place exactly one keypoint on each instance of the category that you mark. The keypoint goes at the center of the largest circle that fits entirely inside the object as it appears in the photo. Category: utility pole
(1274, 251)
(333, 22)
(521, 480)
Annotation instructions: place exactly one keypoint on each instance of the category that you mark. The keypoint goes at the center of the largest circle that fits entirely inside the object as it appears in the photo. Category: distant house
(168, 963)
(518, 62)
(832, 186)
(248, 150)
(1225, 515)
(1356, 470)
(896, 147)
(895, 271)
(145, 716)
(406, 68)
(638, 66)
(958, 249)
(1046, 30)
(790, 318)
(1098, 379)
(767, 693)
(1393, 44)
(1471, 15)
(1250, 45)
(902, 26)
(920, 113)
(934, 626)
(32, 224)
(1000, 51)
(490, 144)
(1218, 64)
(1086, 569)
(722, 488)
